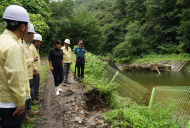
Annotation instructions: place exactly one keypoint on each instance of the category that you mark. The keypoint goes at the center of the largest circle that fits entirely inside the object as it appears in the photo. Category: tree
(85, 27)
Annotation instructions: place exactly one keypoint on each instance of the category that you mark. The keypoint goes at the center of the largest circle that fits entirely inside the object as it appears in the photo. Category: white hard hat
(16, 13)
(37, 37)
(31, 28)
(67, 41)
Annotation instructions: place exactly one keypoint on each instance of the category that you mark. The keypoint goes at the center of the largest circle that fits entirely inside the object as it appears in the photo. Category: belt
(80, 58)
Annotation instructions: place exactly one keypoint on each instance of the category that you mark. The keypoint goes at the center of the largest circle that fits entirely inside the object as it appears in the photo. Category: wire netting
(176, 98)
(127, 87)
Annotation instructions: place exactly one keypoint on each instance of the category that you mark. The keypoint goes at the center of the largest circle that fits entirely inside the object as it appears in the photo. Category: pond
(152, 79)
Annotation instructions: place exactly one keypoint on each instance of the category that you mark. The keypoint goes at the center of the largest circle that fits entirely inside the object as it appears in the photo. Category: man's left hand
(86, 60)
(71, 62)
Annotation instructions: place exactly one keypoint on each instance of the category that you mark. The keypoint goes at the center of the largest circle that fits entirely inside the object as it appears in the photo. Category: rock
(76, 108)
(91, 123)
(78, 119)
(87, 113)
(167, 65)
(67, 105)
(73, 104)
(74, 115)
(68, 101)
(101, 126)
(101, 121)
(81, 112)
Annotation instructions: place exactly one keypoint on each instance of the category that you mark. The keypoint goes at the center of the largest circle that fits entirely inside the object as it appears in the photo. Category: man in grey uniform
(67, 60)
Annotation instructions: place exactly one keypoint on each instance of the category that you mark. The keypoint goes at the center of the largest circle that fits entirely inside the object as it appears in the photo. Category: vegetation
(43, 75)
(122, 30)
(118, 29)
(125, 112)
(81, 1)
(158, 57)
(141, 27)
(56, 20)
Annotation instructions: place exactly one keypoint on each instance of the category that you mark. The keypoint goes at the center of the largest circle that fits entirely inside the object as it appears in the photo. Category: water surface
(152, 79)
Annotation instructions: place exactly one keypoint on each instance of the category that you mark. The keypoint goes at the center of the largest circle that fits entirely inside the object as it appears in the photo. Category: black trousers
(27, 105)
(8, 120)
(32, 89)
(58, 75)
(36, 82)
(80, 65)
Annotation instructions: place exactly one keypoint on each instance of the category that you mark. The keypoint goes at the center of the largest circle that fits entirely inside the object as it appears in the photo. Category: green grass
(43, 75)
(124, 111)
(155, 57)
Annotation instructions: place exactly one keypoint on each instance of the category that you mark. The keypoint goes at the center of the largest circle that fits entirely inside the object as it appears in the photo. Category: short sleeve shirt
(79, 52)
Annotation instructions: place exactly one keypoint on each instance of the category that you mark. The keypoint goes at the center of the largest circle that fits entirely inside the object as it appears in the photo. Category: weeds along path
(73, 108)
(44, 61)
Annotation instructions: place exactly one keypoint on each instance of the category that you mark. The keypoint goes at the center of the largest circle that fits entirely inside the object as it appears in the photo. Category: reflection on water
(152, 79)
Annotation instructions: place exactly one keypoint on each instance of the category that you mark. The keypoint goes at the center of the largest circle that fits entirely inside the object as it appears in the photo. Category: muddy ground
(73, 108)
(44, 61)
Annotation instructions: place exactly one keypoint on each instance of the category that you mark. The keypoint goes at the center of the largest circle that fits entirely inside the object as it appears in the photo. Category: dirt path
(74, 108)
(44, 61)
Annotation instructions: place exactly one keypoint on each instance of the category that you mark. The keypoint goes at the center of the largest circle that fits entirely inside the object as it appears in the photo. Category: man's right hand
(51, 68)
(37, 72)
(36, 58)
(75, 60)
(19, 111)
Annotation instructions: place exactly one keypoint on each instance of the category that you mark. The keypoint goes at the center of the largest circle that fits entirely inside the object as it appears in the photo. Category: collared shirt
(79, 52)
(12, 73)
(37, 64)
(67, 55)
(29, 58)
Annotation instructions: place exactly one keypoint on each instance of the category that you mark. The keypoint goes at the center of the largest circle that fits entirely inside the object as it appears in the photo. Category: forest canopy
(120, 28)
(141, 27)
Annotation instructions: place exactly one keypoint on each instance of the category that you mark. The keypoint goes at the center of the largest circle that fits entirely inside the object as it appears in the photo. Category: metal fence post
(114, 77)
(152, 97)
(188, 125)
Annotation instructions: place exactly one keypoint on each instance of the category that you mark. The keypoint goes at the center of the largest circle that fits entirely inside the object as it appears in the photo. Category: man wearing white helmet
(67, 59)
(28, 37)
(13, 70)
(37, 40)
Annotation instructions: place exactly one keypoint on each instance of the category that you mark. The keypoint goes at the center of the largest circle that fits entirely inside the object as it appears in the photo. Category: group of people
(20, 67)
(60, 59)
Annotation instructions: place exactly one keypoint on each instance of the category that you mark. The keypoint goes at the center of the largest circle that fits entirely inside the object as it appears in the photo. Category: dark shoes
(27, 119)
(34, 102)
(30, 112)
(38, 98)
(66, 81)
(63, 83)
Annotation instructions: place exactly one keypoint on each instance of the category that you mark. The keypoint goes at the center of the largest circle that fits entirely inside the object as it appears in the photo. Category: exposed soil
(74, 108)
(44, 61)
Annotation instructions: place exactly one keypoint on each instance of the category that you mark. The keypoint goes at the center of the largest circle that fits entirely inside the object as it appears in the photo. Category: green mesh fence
(176, 98)
(127, 87)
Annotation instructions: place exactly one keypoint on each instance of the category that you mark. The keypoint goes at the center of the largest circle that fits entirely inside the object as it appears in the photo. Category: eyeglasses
(30, 33)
